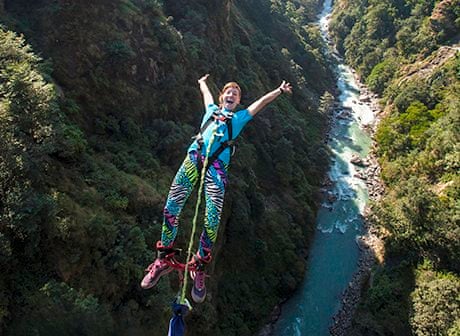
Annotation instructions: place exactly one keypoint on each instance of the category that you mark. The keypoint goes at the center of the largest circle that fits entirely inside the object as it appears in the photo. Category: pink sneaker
(199, 286)
(155, 271)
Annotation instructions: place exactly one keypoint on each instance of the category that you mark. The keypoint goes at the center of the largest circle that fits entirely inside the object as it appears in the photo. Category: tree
(435, 302)
(57, 309)
(381, 75)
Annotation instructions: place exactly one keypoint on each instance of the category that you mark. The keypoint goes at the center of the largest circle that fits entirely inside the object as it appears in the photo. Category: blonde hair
(233, 85)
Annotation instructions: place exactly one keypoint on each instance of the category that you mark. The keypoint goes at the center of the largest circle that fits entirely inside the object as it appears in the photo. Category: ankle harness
(168, 254)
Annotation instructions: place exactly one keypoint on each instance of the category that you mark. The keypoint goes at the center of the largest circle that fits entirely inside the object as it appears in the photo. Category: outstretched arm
(266, 99)
(207, 96)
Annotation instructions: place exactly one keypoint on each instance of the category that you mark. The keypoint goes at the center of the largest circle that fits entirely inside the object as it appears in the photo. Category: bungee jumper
(209, 157)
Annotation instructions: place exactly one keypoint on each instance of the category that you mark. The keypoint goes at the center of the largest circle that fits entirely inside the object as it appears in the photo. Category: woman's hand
(207, 96)
(203, 79)
(285, 87)
(266, 99)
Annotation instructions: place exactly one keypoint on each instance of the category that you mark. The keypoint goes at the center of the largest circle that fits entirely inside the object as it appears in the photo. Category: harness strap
(166, 251)
(168, 255)
(216, 115)
(223, 145)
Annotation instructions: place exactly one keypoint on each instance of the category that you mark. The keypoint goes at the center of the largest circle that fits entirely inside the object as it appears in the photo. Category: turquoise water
(334, 253)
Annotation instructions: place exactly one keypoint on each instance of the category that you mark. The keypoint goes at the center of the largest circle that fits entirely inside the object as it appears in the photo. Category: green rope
(195, 217)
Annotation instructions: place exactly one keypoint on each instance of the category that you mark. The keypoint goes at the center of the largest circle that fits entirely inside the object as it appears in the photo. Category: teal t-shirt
(239, 120)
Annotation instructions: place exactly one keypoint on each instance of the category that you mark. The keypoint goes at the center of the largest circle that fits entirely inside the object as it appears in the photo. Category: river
(334, 252)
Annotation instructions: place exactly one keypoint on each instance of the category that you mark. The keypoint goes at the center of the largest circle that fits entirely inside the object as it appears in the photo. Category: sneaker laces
(199, 278)
(149, 267)
(153, 265)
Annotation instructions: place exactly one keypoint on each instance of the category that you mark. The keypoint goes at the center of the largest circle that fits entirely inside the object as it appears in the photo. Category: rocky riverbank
(370, 245)
(267, 330)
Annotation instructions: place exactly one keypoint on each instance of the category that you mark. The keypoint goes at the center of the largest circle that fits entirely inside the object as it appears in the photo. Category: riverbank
(354, 175)
(370, 245)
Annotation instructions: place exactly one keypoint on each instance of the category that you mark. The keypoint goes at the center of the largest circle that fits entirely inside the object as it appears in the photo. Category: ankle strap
(199, 262)
(166, 251)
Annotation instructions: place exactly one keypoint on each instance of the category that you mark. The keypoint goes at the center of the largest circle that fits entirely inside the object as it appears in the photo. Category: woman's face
(231, 98)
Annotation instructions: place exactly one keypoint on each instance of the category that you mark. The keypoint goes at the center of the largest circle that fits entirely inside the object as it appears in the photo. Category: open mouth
(229, 101)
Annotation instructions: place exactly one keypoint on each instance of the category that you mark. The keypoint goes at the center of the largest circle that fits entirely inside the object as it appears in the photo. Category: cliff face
(124, 52)
(119, 113)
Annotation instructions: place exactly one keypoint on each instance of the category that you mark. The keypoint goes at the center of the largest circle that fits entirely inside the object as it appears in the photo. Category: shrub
(381, 75)
(57, 309)
(435, 303)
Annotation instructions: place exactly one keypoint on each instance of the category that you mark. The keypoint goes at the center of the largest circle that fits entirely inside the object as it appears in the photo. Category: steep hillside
(98, 102)
(408, 53)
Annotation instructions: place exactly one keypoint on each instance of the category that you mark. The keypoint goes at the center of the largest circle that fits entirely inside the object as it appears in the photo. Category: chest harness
(223, 145)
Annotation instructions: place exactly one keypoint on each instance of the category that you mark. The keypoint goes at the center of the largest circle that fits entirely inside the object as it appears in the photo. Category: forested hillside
(98, 101)
(408, 53)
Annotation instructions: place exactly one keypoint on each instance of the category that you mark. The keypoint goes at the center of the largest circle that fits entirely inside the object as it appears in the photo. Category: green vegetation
(402, 50)
(92, 131)
(436, 303)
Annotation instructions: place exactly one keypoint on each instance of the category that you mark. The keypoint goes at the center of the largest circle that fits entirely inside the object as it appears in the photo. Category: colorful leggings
(214, 189)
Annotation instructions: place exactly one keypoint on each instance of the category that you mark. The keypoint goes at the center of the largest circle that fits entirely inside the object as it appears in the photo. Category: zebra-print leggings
(214, 189)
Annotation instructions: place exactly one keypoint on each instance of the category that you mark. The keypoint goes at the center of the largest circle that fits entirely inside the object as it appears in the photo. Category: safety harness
(230, 143)
(169, 254)
(196, 262)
